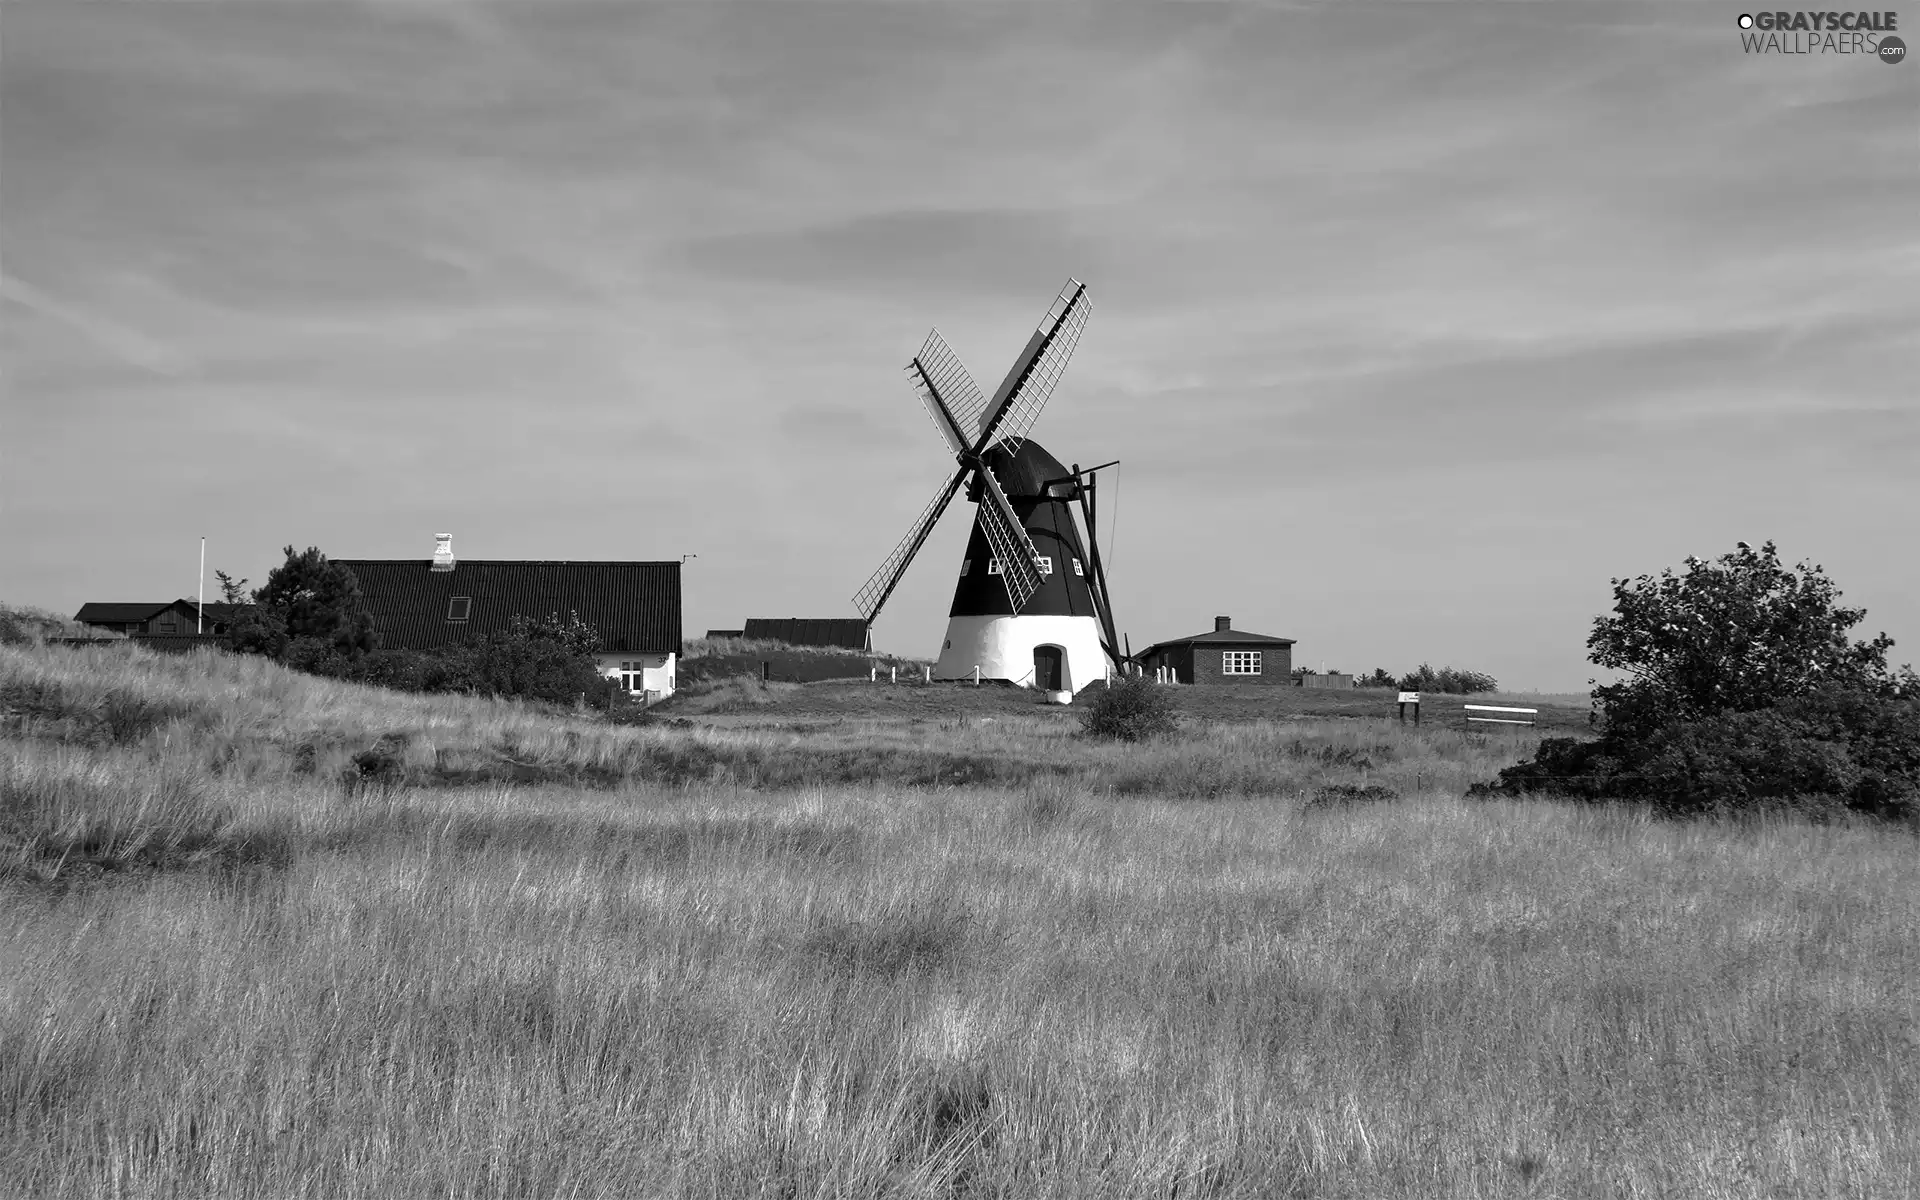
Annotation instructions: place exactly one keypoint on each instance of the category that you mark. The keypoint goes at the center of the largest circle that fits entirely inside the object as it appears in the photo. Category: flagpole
(199, 617)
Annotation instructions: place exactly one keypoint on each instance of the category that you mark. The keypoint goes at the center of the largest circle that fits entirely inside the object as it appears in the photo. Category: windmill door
(1046, 668)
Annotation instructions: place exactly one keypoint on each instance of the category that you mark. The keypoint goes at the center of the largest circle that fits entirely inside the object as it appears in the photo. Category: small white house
(652, 674)
(423, 604)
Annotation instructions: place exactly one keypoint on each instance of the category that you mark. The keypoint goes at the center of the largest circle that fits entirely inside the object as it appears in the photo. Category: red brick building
(1226, 655)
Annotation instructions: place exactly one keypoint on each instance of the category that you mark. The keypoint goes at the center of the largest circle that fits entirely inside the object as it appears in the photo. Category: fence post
(873, 674)
(929, 671)
(764, 668)
(976, 674)
(895, 675)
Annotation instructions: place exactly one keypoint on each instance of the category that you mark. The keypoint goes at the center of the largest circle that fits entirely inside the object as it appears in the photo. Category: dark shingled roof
(849, 633)
(634, 605)
(95, 612)
(219, 611)
(1213, 637)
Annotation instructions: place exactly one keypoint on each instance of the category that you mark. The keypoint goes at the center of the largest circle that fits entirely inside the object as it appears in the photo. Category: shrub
(1130, 709)
(1447, 680)
(448, 669)
(551, 659)
(1835, 750)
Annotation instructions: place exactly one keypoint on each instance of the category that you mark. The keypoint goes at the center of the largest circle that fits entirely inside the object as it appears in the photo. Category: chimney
(1222, 624)
(443, 552)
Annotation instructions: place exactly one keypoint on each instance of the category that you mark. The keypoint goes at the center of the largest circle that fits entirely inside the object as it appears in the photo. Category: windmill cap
(1025, 471)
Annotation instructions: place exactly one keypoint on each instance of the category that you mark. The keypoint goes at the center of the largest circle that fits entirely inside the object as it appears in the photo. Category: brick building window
(1239, 662)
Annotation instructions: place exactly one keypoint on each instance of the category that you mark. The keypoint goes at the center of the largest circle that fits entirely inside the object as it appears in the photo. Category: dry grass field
(787, 945)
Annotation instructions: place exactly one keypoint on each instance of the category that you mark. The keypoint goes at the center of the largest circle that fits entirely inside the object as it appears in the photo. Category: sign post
(1412, 698)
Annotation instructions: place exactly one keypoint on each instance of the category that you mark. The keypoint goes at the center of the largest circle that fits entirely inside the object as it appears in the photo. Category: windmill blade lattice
(874, 594)
(1009, 541)
(1039, 368)
(944, 384)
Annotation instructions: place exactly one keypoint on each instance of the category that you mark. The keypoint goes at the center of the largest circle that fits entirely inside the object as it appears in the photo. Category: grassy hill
(275, 936)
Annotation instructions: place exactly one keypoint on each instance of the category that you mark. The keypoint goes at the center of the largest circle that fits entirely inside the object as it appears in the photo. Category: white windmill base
(1002, 647)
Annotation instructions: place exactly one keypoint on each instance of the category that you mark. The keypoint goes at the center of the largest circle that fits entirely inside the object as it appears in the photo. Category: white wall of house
(642, 672)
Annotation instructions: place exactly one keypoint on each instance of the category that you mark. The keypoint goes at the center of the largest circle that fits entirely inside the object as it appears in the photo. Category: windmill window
(966, 564)
(993, 566)
(1239, 662)
(459, 607)
(1044, 562)
(1077, 568)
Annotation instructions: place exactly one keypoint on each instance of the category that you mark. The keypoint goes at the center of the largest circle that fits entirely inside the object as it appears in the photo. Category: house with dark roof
(1226, 655)
(424, 604)
(164, 618)
(848, 633)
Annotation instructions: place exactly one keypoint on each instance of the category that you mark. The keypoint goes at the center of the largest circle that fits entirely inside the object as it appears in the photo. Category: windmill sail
(1009, 540)
(870, 597)
(952, 398)
(1029, 385)
(977, 430)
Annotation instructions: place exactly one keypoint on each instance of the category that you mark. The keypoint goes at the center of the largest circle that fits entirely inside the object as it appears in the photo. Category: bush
(1448, 680)
(1834, 750)
(448, 669)
(552, 660)
(1130, 709)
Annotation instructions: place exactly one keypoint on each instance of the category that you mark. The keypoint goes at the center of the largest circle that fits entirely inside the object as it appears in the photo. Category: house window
(1239, 662)
(169, 624)
(1077, 568)
(1044, 562)
(993, 566)
(966, 564)
(459, 607)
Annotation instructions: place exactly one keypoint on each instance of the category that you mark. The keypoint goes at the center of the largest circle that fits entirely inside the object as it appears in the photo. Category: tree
(315, 599)
(257, 629)
(1743, 692)
(232, 591)
(1381, 678)
(1737, 634)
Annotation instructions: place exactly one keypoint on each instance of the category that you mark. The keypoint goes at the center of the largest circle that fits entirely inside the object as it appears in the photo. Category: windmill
(1031, 604)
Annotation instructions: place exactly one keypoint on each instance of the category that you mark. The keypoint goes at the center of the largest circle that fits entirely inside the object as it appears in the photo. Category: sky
(1413, 324)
